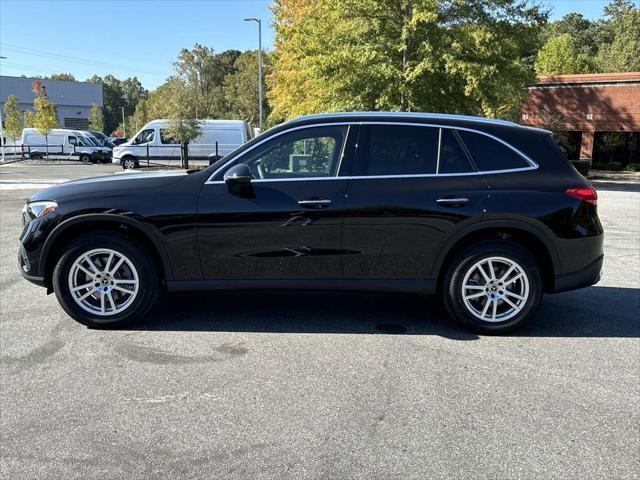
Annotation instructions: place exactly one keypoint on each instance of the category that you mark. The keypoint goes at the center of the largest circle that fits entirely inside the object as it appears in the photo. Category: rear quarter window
(452, 156)
(489, 154)
(226, 137)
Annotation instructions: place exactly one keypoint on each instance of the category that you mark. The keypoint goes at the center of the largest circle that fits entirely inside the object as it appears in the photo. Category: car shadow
(592, 312)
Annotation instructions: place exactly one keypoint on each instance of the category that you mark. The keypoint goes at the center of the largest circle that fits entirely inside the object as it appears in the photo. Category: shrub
(633, 167)
(599, 166)
(614, 166)
(582, 166)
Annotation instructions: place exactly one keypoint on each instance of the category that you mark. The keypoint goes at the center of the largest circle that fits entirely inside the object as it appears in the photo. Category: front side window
(145, 136)
(489, 154)
(307, 153)
(397, 150)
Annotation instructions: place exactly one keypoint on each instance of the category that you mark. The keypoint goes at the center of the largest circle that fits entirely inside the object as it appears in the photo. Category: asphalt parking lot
(320, 385)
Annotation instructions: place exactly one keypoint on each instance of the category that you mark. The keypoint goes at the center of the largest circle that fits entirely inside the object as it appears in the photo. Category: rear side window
(226, 137)
(397, 150)
(452, 156)
(489, 154)
(165, 138)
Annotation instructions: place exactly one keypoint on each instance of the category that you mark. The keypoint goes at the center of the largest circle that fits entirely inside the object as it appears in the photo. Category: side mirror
(238, 175)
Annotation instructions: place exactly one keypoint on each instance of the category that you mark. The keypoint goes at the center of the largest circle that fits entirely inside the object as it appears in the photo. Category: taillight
(584, 194)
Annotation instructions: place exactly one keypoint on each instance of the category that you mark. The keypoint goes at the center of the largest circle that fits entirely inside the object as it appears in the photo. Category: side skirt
(427, 287)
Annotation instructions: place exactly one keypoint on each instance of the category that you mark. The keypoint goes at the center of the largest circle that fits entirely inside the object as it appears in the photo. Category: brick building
(600, 114)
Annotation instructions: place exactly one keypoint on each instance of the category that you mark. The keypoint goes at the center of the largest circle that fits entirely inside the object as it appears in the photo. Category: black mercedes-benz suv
(486, 213)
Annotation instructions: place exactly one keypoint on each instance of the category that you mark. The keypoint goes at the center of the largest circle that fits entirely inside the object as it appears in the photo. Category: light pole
(124, 128)
(259, 22)
(1, 125)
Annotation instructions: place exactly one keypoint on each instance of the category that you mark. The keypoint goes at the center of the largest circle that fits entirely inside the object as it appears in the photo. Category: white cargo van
(152, 145)
(60, 144)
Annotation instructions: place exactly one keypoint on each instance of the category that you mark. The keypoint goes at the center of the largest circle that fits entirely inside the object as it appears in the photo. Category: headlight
(38, 209)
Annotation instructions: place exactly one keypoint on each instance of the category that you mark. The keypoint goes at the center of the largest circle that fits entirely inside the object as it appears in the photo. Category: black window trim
(532, 165)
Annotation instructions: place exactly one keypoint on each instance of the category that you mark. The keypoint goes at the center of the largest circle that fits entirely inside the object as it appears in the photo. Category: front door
(412, 187)
(284, 225)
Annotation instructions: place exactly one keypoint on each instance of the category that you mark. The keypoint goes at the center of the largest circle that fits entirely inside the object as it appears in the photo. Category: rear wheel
(129, 163)
(105, 280)
(493, 287)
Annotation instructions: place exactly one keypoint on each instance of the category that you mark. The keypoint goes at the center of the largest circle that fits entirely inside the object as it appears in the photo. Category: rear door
(412, 187)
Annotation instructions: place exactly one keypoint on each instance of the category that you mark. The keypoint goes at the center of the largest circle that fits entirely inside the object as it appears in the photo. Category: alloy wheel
(103, 282)
(495, 289)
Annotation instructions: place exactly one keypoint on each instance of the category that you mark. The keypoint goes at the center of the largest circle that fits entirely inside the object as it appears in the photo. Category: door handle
(314, 203)
(452, 201)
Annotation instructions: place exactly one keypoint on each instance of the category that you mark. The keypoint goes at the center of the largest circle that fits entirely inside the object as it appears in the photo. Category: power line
(78, 60)
(28, 67)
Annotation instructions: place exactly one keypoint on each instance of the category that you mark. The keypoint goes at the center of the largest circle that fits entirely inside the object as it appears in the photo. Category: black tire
(465, 260)
(129, 163)
(85, 158)
(124, 245)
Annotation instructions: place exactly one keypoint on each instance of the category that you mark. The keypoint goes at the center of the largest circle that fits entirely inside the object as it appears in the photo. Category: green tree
(28, 119)
(44, 118)
(117, 94)
(202, 72)
(584, 32)
(241, 88)
(209, 85)
(68, 77)
(560, 56)
(182, 126)
(13, 121)
(459, 57)
(156, 105)
(95, 118)
(622, 52)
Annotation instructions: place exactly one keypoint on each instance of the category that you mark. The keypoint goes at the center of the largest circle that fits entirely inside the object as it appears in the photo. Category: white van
(153, 146)
(61, 144)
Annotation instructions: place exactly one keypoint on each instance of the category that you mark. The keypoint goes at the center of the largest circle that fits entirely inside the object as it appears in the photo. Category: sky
(143, 37)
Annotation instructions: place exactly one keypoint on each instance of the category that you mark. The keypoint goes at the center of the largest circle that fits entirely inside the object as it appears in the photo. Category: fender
(540, 231)
(106, 217)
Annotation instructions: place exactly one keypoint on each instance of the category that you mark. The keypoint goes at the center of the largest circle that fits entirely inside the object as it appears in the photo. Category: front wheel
(129, 163)
(104, 280)
(493, 287)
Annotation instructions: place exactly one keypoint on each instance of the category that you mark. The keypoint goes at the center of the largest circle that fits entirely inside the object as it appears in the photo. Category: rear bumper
(584, 277)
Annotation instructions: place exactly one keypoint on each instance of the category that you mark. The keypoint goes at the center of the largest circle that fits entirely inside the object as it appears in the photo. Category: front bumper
(32, 241)
(25, 268)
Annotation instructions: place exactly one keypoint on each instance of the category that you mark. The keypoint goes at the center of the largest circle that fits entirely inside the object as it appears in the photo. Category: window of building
(397, 150)
(489, 154)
